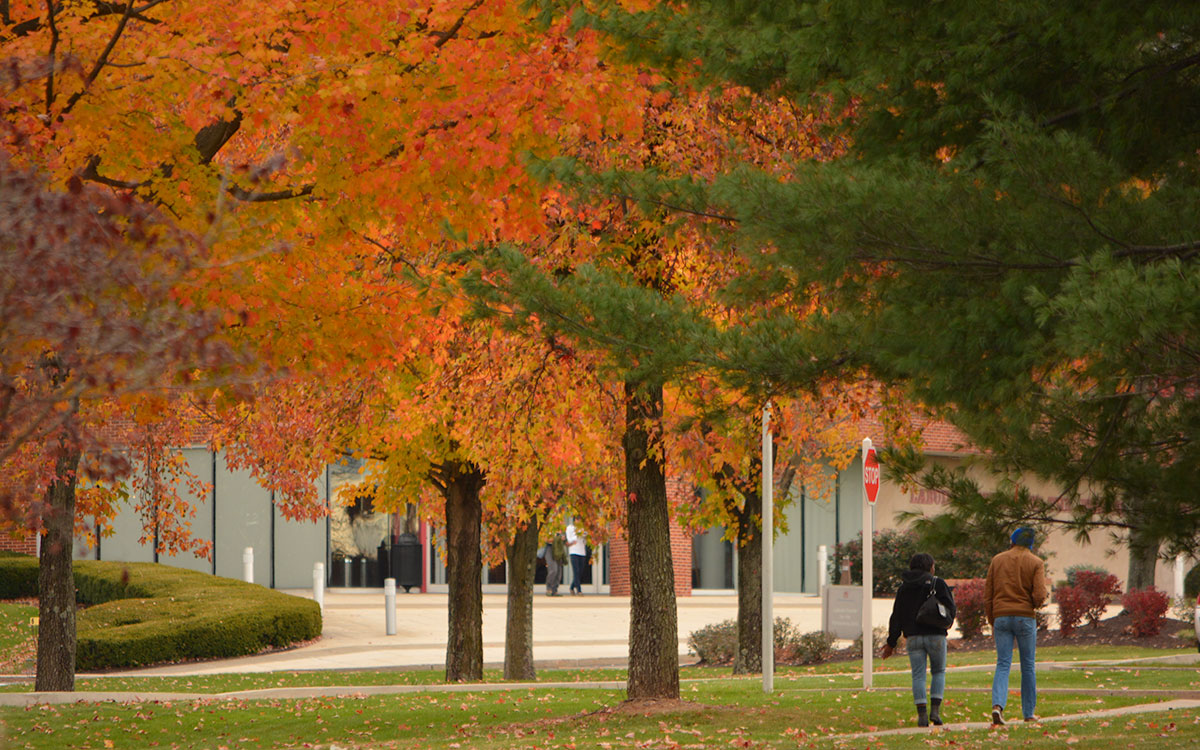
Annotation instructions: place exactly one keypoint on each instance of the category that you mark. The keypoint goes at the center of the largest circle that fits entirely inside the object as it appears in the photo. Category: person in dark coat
(923, 641)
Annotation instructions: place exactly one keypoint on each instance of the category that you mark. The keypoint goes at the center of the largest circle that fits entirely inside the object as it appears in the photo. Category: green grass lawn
(17, 636)
(810, 707)
(723, 713)
(894, 669)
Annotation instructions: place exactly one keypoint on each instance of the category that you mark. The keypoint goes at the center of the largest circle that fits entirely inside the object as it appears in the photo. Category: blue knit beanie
(1023, 536)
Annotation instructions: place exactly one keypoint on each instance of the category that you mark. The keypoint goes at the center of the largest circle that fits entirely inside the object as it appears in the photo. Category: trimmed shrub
(143, 613)
(972, 616)
(879, 639)
(717, 644)
(1072, 604)
(1100, 588)
(18, 576)
(814, 647)
(1148, 608)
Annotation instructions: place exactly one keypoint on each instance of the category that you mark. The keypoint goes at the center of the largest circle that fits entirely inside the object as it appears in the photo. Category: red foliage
(1073, 603)
(1147, 608)
(971, 617)
(1099, 589)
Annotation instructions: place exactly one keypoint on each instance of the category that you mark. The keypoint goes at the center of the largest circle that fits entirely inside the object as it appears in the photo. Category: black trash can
(406, 561)
(384, 563)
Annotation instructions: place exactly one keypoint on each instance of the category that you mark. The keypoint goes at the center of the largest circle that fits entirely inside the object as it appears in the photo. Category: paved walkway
(589, 629)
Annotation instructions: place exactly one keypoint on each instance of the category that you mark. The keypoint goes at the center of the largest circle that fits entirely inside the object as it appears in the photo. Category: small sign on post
(870, 472)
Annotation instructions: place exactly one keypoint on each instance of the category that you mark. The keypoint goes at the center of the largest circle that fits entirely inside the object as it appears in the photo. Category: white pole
(1179, 564)
(248, 565)
(319, 584)
(868, 546)
(768, 527)
(389, 605)
(822, 567)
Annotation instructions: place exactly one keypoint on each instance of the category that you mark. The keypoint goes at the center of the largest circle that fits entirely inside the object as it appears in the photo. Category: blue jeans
(578, 564)
(1022, 630)
(933, 646)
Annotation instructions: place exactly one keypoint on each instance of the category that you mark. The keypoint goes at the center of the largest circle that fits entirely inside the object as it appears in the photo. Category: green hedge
(143, 613)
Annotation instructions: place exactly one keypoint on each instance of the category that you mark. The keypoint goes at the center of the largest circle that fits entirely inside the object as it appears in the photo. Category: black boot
(922, 717)
(935, 712)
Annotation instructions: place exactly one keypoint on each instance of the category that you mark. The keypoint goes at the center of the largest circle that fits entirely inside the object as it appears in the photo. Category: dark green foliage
(893, 550)
(1191, 584)
(141, 613)
(1027, 174)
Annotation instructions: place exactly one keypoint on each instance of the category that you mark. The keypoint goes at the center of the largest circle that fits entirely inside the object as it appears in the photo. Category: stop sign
(871, 476)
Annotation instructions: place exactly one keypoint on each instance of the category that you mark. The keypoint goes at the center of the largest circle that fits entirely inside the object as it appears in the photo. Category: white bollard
(319, 584)
(822, 567)
(389, 604)
(248, 565)
(1179, 565)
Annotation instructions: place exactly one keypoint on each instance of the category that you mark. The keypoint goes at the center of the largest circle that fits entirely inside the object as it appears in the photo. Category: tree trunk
(1143, 558)
(518, 633)
(653, 619)
(56, 581)
(464, 566)
(748, 658)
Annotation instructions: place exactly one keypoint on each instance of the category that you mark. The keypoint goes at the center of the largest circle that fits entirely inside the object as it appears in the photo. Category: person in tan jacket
(1015, 588)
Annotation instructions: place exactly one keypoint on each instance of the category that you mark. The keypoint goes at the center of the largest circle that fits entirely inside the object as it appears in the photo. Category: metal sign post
(870, 492)
(768, 526)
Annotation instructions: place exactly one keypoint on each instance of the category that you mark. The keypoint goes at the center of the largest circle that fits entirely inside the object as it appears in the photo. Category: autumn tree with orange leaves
(322, 155)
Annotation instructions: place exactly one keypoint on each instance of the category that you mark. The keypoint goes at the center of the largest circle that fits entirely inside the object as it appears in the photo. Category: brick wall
(25, 542)
(681, 553)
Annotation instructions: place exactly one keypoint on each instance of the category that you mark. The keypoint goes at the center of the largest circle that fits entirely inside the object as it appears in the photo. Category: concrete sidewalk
(589, 629)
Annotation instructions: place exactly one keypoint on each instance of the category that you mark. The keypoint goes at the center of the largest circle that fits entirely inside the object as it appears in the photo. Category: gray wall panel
(819, 523)
(787, 549)
(200, 464)
(243, 520)
(298, 546)
(123, 545)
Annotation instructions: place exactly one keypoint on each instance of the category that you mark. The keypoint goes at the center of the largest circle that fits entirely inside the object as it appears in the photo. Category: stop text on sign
(871, 476)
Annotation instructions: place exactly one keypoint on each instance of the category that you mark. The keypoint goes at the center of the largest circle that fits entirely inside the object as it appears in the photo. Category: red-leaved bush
(1100, 589)
(1147, 608)
(1072, 604)
(971, 617)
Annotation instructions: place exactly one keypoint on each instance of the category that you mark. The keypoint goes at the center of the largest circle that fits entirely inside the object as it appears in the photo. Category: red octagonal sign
(871, 476)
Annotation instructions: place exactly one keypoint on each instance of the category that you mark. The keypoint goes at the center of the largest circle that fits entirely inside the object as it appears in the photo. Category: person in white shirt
(578, 551)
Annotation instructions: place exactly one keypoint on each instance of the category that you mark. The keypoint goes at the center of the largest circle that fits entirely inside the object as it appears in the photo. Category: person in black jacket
(922, 640)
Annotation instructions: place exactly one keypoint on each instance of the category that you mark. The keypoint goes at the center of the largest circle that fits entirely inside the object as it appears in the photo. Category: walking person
(555, 554)
(1015, 588)
(578, 550)
(924, 638)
